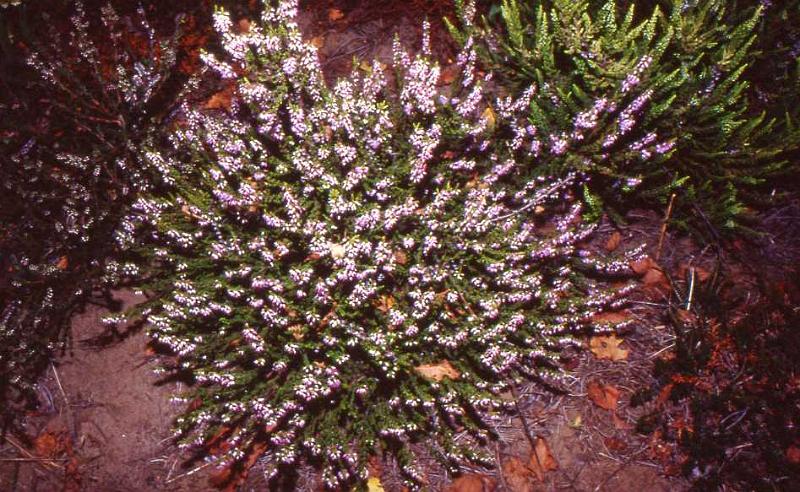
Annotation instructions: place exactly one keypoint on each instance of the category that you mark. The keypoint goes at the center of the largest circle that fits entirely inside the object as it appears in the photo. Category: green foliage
(681, 65)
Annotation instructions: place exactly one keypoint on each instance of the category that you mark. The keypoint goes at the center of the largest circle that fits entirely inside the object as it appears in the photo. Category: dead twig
(33, 459)
(664, 227)
(67, 409)
(189, 473)
(30, 457)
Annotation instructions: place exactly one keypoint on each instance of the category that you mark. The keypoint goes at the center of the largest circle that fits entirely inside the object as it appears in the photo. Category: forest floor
(103, 423)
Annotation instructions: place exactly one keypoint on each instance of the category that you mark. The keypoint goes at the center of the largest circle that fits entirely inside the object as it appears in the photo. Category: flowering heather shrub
(70, 164)
(316, 252)
(647, 103)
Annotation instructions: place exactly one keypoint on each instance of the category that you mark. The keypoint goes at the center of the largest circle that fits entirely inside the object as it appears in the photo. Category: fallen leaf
(654, 277)
(610, 317)
(297, 332)
(63, 263)
(471, 483)
(187, 211)
(642, 265)
(384, 304)
(47, 445)
(604, 396)
(490, 118)
(607, 347)
(517, 476)
(664, 394)
(374, 485)
(613, 241)
(327, 318)
(449, 74)
(222, 99)
(318, 41)
(793, 455)
(438, 371)
(652, 274)
(701, 274)
(448, 154)
(542, 460)
(335, 14)
(615, 444)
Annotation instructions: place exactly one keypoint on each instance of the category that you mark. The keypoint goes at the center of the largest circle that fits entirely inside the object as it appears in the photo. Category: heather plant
(343, 271)
(75, 109)
(647, 103)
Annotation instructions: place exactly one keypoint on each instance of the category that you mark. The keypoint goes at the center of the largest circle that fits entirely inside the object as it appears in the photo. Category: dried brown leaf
(318, 42)
(222, 99)
(448, 154)
(608, 347)
(642, 265)
(517, 476)
(438, 371)
(655, 277)
(793, 455)
(449, 74)
(542, 460)
(297, 331)
(615, 444)
(47, 445)
(604, 396)
(335, 15)
(610, 317)
(471, 483)
(490, 117)
(384, 304)
(700, 273)
(664, 394)
(613, 241)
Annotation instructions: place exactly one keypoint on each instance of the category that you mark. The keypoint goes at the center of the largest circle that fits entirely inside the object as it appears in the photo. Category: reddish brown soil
(108, 405)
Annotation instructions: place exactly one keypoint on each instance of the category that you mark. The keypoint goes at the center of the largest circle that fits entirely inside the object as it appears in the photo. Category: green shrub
(342, 271)
(647, 103)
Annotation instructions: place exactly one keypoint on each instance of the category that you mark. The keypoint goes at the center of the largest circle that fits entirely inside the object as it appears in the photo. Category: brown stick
(29, 456)
(33, 459)
(67, 409)
(664, 226)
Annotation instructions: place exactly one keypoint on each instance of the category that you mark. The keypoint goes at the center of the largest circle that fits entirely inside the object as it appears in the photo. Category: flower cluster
(312, 248)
